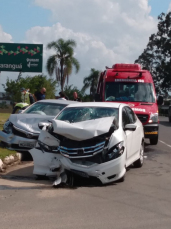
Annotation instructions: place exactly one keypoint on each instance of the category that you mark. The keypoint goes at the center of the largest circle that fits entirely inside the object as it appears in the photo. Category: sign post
(17, 57)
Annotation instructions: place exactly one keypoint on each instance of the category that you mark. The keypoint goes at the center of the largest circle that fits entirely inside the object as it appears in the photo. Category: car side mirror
(160, 100)
(131, 127)
(97, 97)
(42, 124)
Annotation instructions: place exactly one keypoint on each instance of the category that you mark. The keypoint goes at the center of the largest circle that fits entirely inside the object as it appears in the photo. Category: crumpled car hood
(29, 122)
(83, 130)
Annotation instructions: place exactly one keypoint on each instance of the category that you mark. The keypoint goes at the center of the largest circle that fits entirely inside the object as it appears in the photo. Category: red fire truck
(128, 83)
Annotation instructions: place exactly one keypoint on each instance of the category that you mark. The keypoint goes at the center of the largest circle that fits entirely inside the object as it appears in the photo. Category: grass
(4, 152)
(3, 118)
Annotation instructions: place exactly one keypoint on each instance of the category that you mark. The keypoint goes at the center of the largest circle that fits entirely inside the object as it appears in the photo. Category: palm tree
(63, 61)
(91, 82)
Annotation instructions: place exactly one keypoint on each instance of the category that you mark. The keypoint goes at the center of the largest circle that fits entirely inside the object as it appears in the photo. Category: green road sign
(21, 57)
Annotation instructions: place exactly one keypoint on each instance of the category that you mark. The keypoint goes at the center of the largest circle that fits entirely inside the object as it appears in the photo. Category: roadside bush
(35, 83)
(3, 105)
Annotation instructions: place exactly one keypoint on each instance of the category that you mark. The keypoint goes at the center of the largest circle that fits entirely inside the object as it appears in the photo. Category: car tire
(140, 161)
(154, 141)
(169, 118)
(41, 177)
(70, 180)
(122, 179)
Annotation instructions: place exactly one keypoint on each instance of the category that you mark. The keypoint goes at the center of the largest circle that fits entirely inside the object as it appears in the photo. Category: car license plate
(27, 144)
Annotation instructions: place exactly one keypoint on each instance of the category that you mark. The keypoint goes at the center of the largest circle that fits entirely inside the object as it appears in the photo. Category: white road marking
(165, 143)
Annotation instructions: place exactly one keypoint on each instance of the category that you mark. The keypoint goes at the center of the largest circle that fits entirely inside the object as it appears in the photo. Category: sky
(106, 31)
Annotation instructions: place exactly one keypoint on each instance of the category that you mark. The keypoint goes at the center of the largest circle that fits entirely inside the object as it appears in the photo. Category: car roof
(96, 104)
(57, 101)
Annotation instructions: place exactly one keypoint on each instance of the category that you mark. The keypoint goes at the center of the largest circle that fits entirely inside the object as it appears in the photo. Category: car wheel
(41, 177)
(140, 161)
(70, 180)
(121, 179)
(154, 141)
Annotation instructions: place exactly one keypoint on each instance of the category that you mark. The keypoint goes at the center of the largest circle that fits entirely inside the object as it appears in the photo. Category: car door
(136, 140)
(128, 136)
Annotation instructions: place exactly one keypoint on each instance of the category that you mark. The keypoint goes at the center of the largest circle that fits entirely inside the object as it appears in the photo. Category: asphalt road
(142, 201)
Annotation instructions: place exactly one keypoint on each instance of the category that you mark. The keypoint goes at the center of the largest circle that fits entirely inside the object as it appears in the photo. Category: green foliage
(3, 105)
(70, 89)
(87, 98)
(3, 152)
(3, 119)
(12, 87)
(91, 82)
(156, 57)
(63, 60)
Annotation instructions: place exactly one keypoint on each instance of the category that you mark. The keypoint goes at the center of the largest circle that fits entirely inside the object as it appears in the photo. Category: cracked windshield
(86, 113)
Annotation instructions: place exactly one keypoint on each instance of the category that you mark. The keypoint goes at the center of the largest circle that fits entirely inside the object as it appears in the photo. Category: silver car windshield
(50, 109)
(79, 114)
(131, 92)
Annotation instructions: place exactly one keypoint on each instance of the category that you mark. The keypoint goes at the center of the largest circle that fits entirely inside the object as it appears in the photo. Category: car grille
(143, 117)
(22, 134)
(83, 151)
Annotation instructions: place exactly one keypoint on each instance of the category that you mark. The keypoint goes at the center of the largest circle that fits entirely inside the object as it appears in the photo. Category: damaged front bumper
(55, 164)
(14, 142)
(106, 172)
(46, 155)
(45, 163)
(59, 154)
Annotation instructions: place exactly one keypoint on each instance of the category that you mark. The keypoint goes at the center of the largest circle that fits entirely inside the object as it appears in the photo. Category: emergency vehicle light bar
(135, 67)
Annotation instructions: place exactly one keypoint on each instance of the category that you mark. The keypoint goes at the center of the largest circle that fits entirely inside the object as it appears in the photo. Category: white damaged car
(90, 140)
(20, 132)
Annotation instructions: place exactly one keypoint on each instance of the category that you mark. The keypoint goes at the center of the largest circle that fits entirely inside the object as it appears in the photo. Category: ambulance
(128, 83)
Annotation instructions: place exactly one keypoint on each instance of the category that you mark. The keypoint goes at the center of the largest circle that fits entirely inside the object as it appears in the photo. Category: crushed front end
(102, 156)
(15, 138)
(96, 160)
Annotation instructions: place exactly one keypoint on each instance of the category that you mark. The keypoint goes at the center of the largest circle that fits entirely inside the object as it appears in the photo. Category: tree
(91, 82)
(157, 55)
(63, 60)
(12, 87)
(70, 89)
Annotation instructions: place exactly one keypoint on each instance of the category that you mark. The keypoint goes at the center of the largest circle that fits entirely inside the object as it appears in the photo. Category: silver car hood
(29, 122)
(83, 130)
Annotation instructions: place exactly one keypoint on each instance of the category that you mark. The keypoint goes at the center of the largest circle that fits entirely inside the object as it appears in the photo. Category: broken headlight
(8, 127)
(47, 148)
(115, 152)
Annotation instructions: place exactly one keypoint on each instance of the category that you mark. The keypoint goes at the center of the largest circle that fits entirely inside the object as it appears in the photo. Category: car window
(80, 114)
(125, 118)
(129, 91)
(51, 109)
(131, 115)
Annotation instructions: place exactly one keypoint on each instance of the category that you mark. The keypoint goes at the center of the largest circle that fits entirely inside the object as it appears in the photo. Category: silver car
(21, 131)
